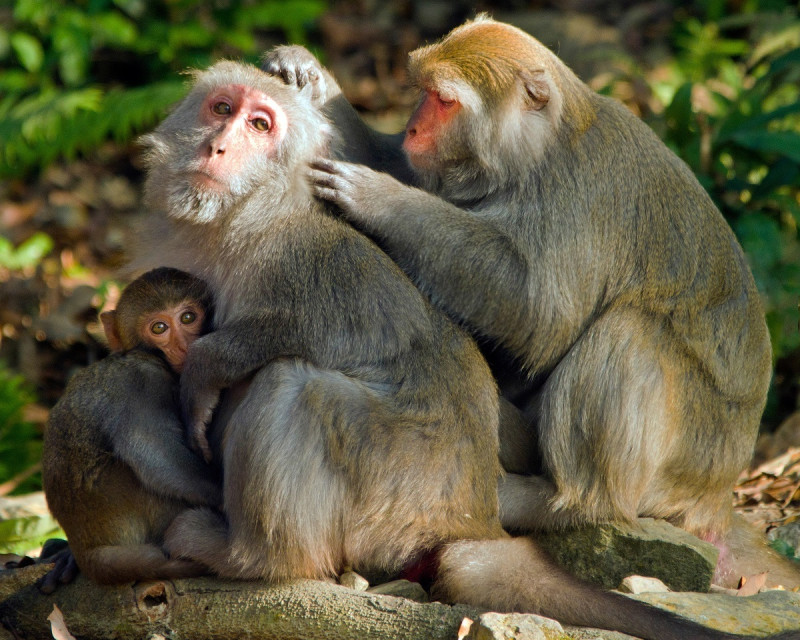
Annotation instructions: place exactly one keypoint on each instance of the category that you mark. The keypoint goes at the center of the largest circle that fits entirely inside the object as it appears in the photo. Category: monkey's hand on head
(298, 67)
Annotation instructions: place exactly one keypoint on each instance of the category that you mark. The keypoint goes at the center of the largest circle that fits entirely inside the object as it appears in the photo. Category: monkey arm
(228, 355)
(298, 67)
(468, 264)
(145, 432)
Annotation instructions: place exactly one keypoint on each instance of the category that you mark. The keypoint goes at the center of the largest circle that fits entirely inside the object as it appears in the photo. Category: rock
(605, 554)
(352, 580)
(642, 584)
(761, 614)
(402, 589)
(786, 538)
(514, 626)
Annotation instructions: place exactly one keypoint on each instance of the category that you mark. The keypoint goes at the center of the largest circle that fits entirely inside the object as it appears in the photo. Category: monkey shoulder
(105, 394)
(330, 254)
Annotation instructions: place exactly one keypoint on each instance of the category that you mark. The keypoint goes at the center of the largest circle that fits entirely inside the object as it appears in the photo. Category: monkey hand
(298, 67)
(64, 570)
(352, 187)
(198, 403)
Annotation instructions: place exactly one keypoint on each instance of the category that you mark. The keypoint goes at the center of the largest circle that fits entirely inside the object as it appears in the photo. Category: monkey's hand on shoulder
(298, 67)
(360, 192)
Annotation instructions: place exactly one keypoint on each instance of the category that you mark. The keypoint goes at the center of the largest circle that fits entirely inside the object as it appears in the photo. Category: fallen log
(216, 609)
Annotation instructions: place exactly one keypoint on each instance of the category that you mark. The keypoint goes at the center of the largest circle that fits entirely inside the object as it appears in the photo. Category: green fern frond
(61, 124)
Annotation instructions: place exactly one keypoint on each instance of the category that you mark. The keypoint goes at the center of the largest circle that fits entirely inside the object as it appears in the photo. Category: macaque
(611, 298)
(368, 432)
(116, 467)
(366, 436)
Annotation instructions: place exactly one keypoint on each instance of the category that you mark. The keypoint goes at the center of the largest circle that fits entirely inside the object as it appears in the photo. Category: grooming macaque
(613, 302)
(367, 436)
(116, 466)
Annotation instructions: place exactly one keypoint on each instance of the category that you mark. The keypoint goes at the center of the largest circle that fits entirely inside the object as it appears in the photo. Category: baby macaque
(116, 467)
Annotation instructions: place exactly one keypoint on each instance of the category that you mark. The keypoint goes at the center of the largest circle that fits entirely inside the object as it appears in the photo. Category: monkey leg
(116, 564)
(526, 504)
(283, 499)
(629, 426)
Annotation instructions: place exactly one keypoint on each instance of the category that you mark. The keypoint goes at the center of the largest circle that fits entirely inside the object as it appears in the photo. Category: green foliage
(28, 254)
(20, 452)
(733, 114)
(20, 440)
(26, 533)
(74, 73)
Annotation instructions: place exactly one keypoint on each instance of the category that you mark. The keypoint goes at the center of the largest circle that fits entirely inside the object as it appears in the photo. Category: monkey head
(486, 89)
(165, 309)
(239, 131)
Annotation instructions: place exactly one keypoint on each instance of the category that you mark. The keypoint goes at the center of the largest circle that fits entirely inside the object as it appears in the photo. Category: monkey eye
(261, 124)
(446, 102)
(188, 317)
(221, 108)
(157, 328)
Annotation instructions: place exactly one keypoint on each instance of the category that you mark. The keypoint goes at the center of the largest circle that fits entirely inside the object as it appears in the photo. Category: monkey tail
(513, 574)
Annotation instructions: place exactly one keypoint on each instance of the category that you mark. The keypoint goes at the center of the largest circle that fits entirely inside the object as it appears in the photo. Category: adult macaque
(367, 435)
(612, 299)
(116, 467)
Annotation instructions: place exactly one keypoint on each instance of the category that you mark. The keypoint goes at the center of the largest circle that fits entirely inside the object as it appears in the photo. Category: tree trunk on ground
(218, 609)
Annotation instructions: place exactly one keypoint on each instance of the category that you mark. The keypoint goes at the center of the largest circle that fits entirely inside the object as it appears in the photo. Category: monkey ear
(109, 320)
(537, 88)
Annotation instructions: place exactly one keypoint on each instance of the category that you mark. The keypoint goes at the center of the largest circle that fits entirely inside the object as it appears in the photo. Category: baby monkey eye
(261, 124)
(188, 317)
(158, 328)
(221, 108)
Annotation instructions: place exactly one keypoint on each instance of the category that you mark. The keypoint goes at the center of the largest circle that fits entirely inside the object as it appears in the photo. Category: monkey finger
(327, 187)
(334, 196)
(63, 572)
(324, 164)
(69, 568)
(48, 582)
(321, 177)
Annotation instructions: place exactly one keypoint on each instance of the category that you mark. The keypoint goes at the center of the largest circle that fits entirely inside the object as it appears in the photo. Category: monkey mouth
(204, 180)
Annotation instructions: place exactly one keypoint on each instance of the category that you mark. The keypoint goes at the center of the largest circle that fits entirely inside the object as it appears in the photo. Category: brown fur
(115, 465)
(615, 304)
